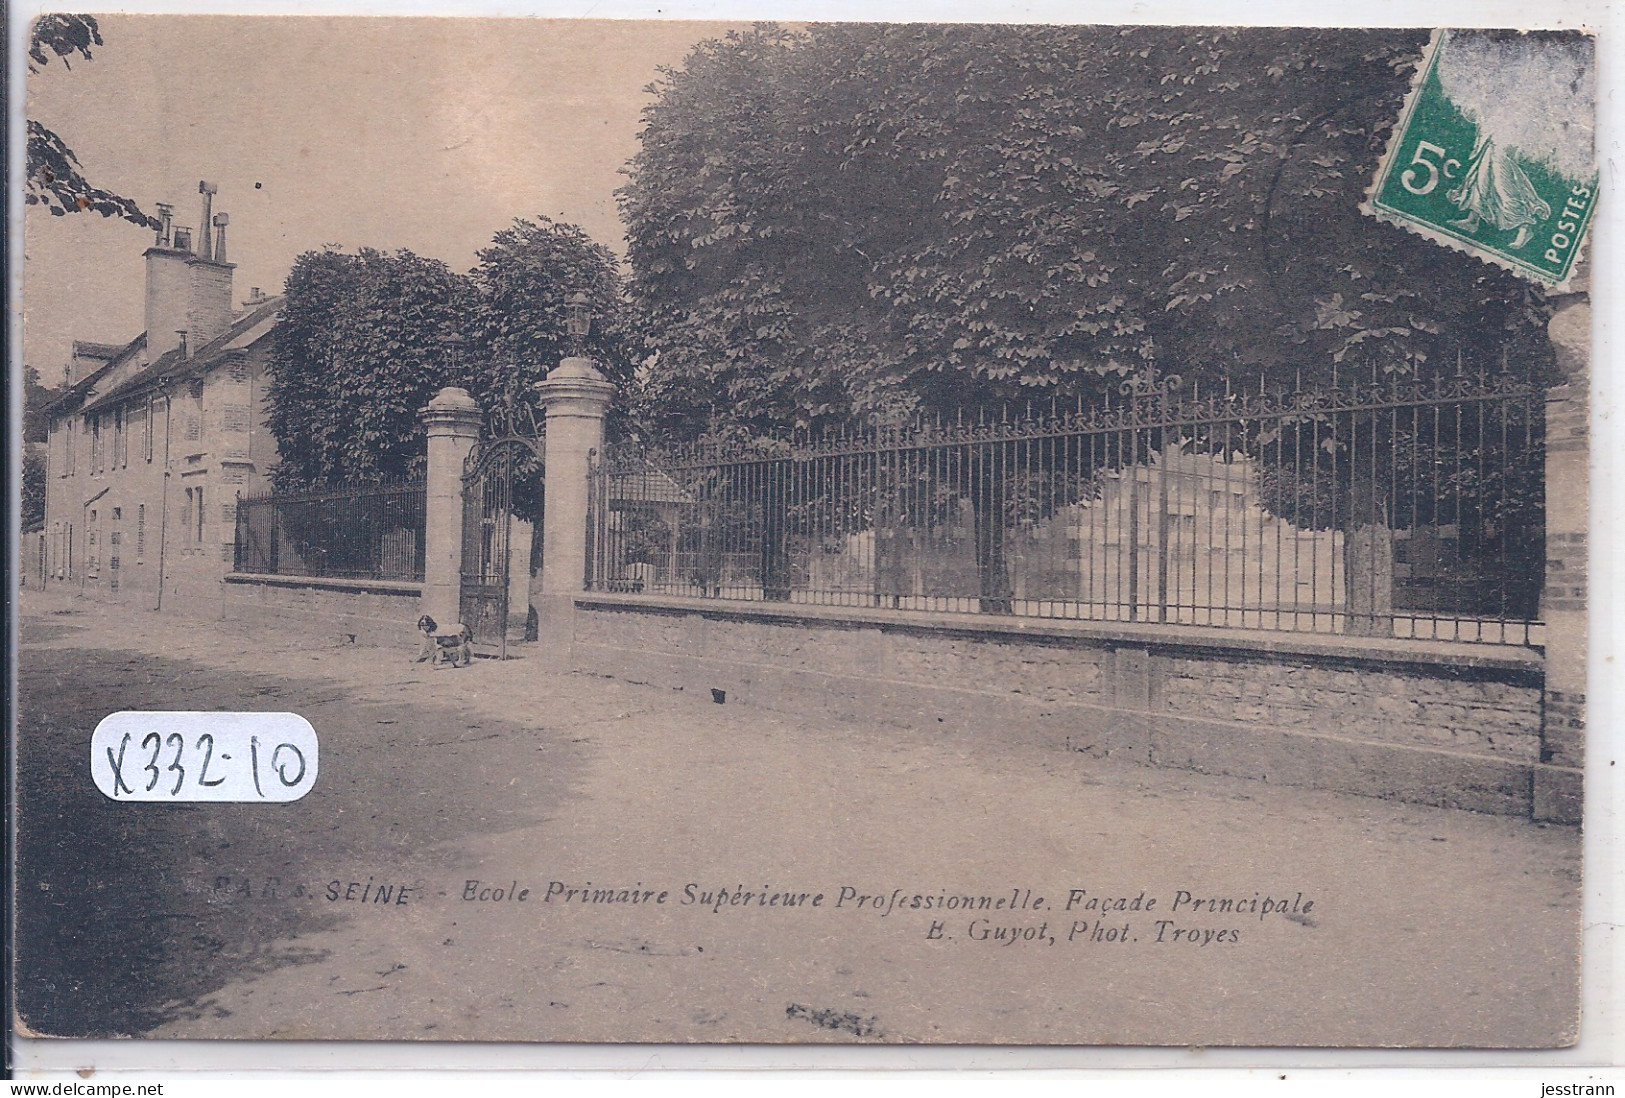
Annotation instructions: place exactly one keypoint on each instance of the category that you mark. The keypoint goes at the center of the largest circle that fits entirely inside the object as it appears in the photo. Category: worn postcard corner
(1494, 153)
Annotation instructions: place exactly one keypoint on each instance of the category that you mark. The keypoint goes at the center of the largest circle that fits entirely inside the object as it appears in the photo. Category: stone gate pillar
(575, 396)
(452, 420)
(1557, 792)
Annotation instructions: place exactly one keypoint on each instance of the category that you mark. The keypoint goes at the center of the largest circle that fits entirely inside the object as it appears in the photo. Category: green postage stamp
(1493, 154)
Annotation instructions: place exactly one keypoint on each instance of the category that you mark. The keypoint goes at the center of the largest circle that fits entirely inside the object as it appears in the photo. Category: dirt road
(1246, 913)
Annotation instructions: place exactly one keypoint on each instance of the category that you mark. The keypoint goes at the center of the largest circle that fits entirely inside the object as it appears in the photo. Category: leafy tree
(360, 349)
(55, 179)
(890, 219)
(367, 339)
(36, 430)
(875, 217)
(523, 280)
(36, 426)
(31, 501)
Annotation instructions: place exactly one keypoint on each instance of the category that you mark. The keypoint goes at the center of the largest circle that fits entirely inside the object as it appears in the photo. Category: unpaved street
(1427, 926)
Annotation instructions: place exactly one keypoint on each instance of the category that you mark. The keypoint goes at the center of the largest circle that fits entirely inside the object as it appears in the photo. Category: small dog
(455, 646)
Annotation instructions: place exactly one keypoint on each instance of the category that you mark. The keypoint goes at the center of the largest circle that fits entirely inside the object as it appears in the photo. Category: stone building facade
(154, 440)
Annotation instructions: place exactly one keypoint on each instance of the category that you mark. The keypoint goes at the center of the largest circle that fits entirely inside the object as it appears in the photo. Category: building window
(146, 428)
(140, 533)
(194, 417)
(118, 439)
(95, 445)
(192, 517)
(194, 411)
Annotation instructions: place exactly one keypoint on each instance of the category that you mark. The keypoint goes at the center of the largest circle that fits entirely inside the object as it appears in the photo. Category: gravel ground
(1427, 926)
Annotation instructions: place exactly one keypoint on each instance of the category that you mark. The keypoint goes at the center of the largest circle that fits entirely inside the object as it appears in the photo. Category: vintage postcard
(898, 533)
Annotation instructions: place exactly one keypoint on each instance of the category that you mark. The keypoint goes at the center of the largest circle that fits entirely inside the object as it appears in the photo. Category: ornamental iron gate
(502, 480)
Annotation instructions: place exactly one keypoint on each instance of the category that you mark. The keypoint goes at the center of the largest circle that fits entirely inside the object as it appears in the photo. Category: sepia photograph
(888, 533)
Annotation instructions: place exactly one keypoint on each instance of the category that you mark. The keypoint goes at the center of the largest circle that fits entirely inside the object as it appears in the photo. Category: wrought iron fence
(1374, 506)
(353, 531)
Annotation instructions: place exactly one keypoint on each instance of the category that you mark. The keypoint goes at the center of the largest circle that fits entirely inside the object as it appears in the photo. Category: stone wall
(1415, 708)
(373, 612)
(1448, 724)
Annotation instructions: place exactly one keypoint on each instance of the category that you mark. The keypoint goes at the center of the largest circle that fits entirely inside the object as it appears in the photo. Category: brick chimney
(187, 291)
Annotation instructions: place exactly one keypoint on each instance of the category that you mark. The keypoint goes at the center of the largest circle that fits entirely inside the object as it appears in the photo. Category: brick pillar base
(1558, 781)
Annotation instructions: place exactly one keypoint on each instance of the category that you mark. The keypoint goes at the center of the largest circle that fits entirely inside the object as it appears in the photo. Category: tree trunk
(1368, 561)
(992, 571)
(775, 557)
(891, 560)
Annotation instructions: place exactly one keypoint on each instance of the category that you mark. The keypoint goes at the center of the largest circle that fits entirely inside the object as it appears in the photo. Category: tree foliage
(31, 498)
(366, 339)
(36, 425)
(36, 430)
(522, 281)
(55, 179)
(359, 350)
(887, 218)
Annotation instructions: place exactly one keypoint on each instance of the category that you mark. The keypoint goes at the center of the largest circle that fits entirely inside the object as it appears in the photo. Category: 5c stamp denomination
(1493, 154)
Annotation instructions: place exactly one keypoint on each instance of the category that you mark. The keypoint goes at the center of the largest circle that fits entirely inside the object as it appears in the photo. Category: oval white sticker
(137, 756)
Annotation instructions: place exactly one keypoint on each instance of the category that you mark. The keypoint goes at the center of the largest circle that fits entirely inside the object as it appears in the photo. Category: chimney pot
(221, 220)
(208, 191)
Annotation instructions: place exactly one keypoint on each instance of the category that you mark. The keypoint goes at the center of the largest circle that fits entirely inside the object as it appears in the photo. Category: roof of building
(84, 348)
(248, 328)
(76, 393)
